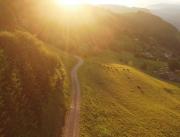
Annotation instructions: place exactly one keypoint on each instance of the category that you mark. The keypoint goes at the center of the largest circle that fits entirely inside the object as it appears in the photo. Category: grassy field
(120, 101)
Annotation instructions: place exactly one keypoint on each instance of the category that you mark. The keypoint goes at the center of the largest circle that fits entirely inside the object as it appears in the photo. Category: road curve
(71, 128)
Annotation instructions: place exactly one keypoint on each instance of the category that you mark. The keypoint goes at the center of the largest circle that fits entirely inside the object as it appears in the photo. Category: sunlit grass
(118, 101)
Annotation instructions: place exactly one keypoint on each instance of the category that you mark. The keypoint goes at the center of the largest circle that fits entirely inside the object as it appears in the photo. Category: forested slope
(31, 87)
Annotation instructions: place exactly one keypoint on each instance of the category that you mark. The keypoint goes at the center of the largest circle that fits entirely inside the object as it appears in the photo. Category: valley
(82, 70)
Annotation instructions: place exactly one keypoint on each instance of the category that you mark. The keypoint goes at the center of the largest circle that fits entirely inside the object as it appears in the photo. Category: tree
(174, 64)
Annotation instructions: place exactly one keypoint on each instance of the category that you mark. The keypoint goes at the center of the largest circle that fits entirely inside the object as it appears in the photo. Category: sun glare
(76, 3)
(69, 2)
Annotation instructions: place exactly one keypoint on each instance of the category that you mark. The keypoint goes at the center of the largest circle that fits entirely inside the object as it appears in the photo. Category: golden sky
(124, 2)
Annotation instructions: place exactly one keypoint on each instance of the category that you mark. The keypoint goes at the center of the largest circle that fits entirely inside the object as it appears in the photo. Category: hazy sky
(133, 2)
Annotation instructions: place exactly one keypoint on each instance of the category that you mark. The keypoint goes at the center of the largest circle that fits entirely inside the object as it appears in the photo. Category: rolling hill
(118, 101)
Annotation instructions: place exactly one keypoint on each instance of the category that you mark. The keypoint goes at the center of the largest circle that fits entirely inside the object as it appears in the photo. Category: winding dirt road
(71, 128)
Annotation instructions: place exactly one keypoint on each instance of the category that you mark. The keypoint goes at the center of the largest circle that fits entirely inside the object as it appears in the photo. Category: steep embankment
(31, 87)
(119, 101)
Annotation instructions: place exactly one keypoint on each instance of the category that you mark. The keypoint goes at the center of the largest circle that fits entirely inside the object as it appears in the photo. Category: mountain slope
(119, 101)
(32, 100)
(93, 28)
(150, 27)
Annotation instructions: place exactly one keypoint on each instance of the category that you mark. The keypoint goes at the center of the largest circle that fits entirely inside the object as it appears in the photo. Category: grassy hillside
(119, 101)
(32, 82)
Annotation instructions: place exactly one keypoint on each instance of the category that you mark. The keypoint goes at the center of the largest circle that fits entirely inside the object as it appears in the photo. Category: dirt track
(71, 128)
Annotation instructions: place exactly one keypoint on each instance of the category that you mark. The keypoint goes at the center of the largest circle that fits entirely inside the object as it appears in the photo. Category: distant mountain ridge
(169, 12)
(122, 9)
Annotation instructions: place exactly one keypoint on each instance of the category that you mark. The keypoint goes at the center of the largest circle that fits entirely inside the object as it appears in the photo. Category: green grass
(120, 101)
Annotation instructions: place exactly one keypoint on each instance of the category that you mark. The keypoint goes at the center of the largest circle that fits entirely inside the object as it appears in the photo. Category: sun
(70, 2)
